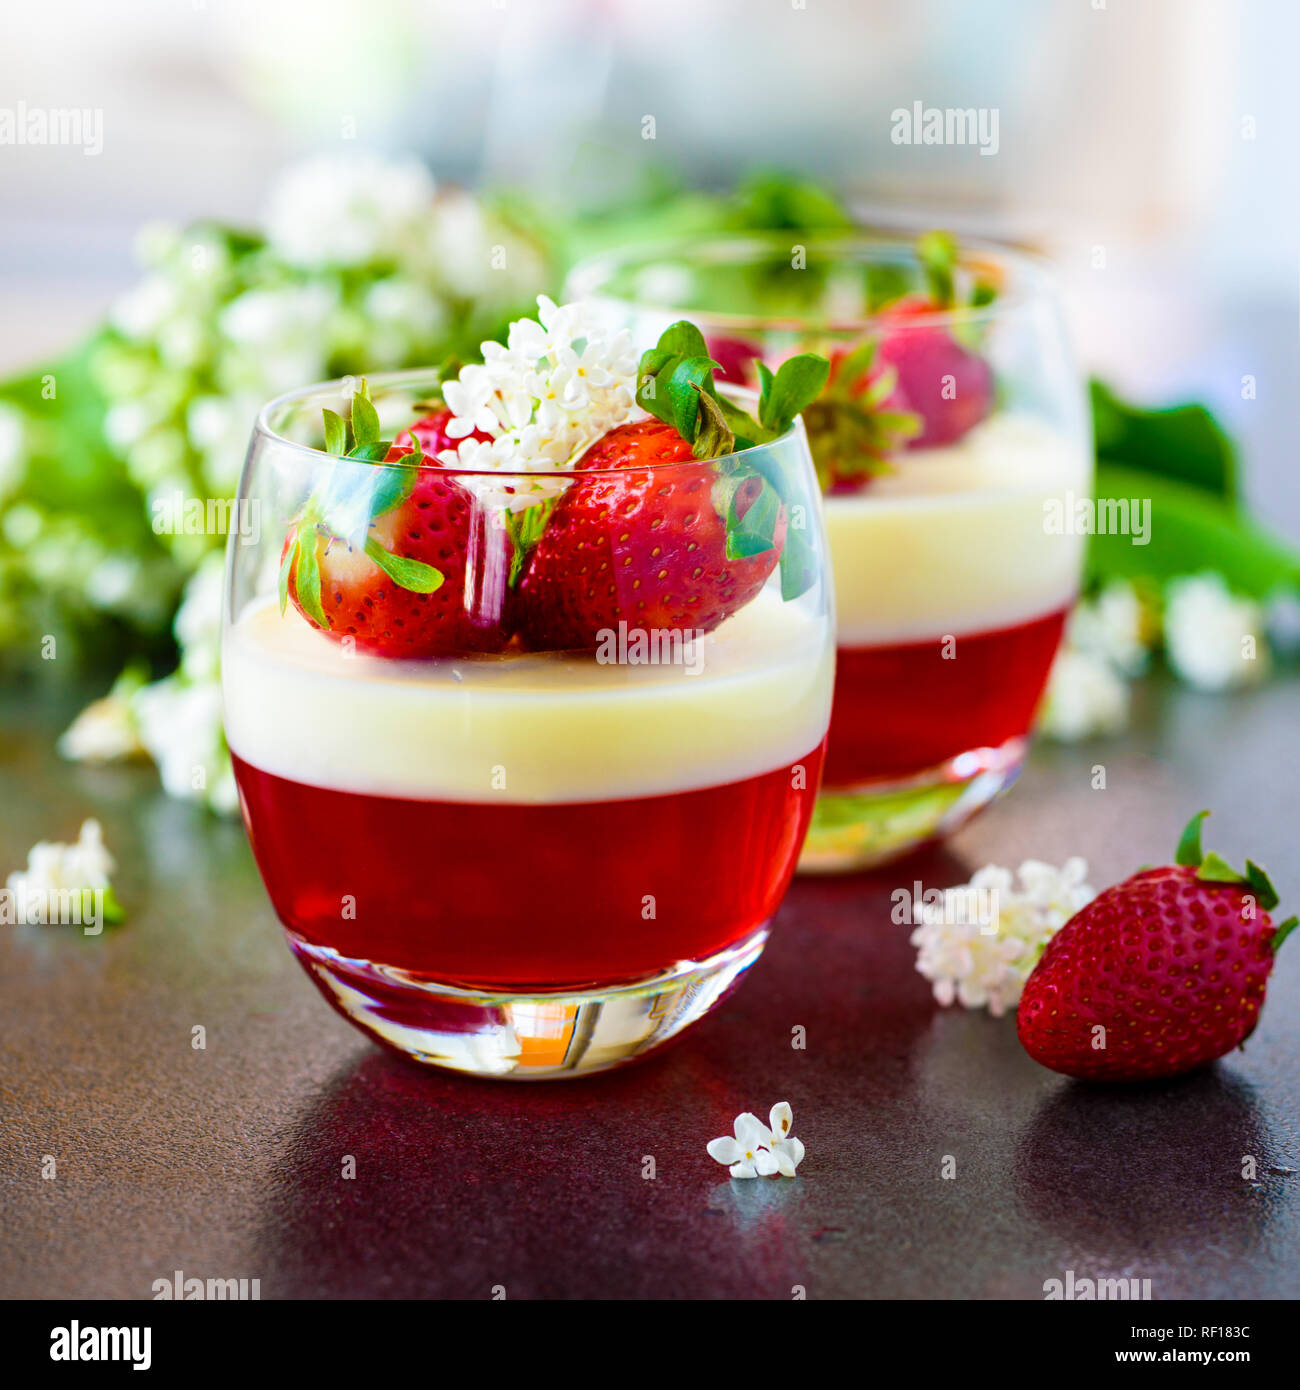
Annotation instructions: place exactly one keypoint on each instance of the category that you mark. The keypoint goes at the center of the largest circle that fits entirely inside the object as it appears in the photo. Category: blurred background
(258, 193)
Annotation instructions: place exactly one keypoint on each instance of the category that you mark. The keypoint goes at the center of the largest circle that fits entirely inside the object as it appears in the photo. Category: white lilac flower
(556, 386)
(1214, 639)
(142, 310)
(277, 319)
(786, 1149)
(331, 211)
(180, 725)
(1085, 696)
(54, 868)
(978, 959)
(749, 1154)
(105, 730)
(198, 619)
(1112, 624)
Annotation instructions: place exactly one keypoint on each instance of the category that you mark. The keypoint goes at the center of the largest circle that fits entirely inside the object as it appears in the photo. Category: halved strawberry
(400, 560)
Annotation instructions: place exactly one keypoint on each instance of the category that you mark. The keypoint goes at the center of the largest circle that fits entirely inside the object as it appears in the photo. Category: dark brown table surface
(227, 1162)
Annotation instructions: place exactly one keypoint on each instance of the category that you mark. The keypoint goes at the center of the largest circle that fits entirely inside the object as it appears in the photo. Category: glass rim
(263, 428)
(1033, 277)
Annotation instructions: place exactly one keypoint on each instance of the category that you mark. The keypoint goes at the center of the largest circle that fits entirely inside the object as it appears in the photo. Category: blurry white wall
(1161, 130)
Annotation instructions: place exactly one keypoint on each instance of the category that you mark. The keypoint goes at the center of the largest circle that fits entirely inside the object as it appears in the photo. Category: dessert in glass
(952, 443)
(527, 680)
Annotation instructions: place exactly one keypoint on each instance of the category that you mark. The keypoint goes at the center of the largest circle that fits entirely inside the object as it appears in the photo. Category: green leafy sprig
(349, 505)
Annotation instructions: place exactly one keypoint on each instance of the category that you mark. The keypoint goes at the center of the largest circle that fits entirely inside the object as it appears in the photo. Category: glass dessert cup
(955, 562)
(507, 860)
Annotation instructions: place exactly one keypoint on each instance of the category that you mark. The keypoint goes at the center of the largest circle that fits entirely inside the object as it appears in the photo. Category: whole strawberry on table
(663, 522)
(1158, 975)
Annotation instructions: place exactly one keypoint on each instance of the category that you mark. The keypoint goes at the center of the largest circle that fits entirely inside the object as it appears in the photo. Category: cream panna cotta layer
(958, 540)
(528, 729)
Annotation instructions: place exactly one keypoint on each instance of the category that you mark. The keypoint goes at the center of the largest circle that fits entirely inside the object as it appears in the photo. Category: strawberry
(661, 528)
(641, 543)
(735, 358)
(386, 559)
(1158, 975)
(948, 387)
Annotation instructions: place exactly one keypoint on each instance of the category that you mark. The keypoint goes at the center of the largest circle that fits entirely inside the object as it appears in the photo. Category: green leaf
(798, 564)
(1184, 442)
(525, 529)
(113, 911)
(755, 532)
(1285, 930)
(1214, 869)
(798, 382)
(1265, 893)
(409, 574)
(683, 339)
(309, 581)
(937, 252)
(1189, 853)
(286, 569)
(336, 433)
(1190, 530)
(714, 438)
(365, 420)
(390, 487)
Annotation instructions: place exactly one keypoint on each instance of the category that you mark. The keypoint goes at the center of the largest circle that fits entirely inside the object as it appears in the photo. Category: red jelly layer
(508, 896)
(901, 709)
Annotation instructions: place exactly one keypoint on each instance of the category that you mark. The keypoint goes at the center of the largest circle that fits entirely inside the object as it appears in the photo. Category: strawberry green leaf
(286, 569)
(798, 382)
(714, 438)
(683, 339)
(798, 565)
(937, 252)
(1215, 869)
(365, 420)
(755, 532)
(525, 529)
(1189, 853)
(409, 574)
(1265, 893)
(336, 433)
(309, 581)
(1285, 930)
(113, 911)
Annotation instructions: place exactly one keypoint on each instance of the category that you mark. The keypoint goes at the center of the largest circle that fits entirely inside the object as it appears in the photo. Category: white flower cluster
(177, 720)
(758, 1150)
(1105, 643)
(980, 964)
(1214, 639)
(366, 264)
(55, 868)
(559, 382)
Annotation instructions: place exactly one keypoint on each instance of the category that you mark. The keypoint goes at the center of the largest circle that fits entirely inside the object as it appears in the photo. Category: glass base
(524, 1037)
(876, 822)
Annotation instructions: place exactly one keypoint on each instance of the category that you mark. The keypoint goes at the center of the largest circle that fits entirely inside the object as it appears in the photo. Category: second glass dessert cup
(511, 860)
(952, 444)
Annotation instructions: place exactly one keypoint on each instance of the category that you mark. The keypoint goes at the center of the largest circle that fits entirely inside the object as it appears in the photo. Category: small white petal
(781, 1119)
(743, 1170)
(751, 1132)
(725, 1150)
(765, 1163)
